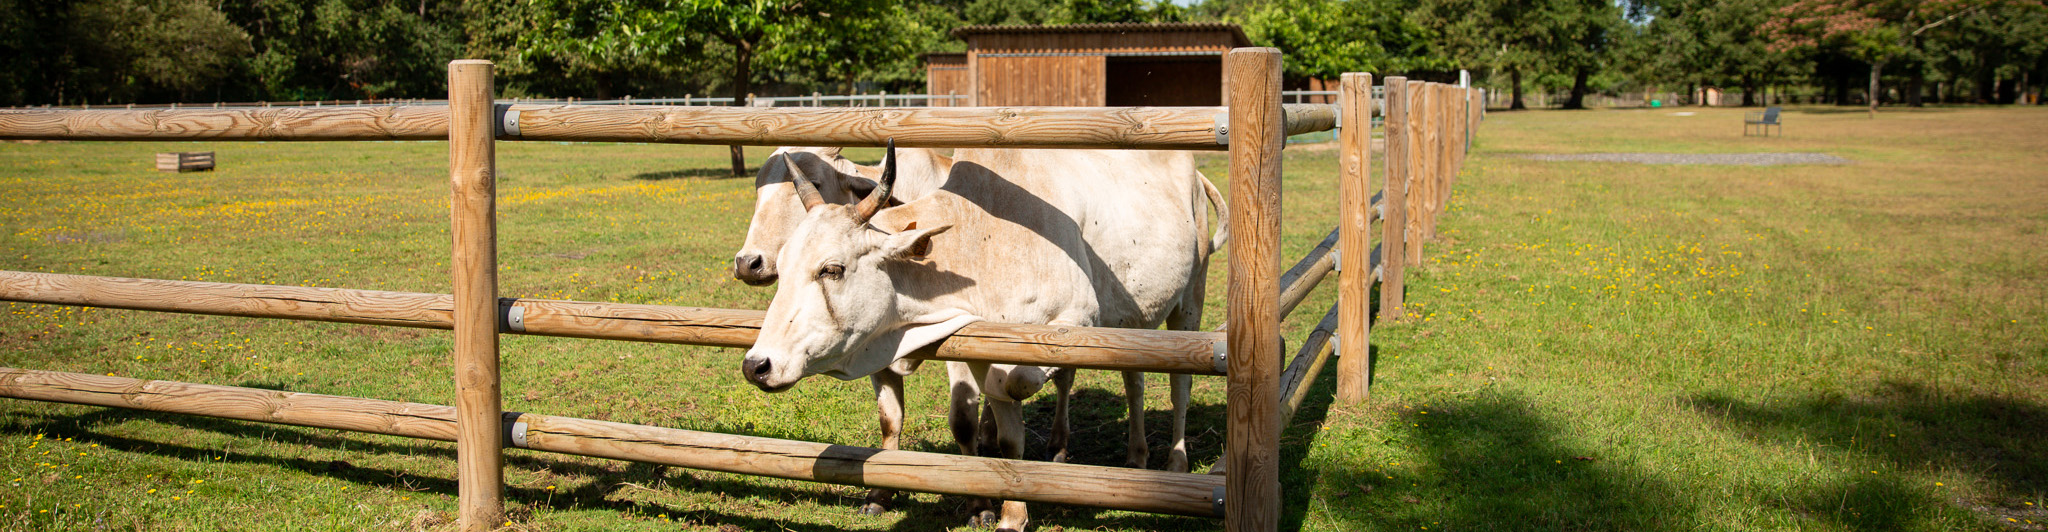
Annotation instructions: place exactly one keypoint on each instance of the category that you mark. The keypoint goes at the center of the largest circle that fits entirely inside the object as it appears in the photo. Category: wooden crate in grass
(190, 161)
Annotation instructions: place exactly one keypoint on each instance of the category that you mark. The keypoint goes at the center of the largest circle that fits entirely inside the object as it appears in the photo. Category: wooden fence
(1427, 128)
(878, 99)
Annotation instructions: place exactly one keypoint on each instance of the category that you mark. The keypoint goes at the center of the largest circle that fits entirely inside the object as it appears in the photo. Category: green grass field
(1592, 346)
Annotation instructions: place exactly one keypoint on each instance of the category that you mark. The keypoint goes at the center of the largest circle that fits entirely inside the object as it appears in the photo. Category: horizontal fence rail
(943, 127)
(881, 99)
(1073, 484)
(1084, 347)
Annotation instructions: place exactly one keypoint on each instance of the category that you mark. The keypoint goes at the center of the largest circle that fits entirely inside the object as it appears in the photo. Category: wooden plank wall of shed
(1041, 80)
(943, 79)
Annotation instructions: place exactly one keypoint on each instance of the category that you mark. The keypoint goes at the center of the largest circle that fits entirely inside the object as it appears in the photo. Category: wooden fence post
(472, 172)
(1354, 241)
(1471, 117)
(1252, 444)
(1418, 168)
(1446, 167)
(1454, 147)
(1438, 139)
(1394, 222)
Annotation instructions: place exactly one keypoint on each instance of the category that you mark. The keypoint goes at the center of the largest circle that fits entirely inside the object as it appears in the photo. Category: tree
(1873, 31)
(1579, 35)
(1325, 39)
(1524, 37)
(662, 29)
(1709, 42)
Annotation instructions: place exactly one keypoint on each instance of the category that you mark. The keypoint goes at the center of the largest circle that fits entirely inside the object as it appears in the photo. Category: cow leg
(1186, 318)
(963, 416)
(889, 400)
(1137, 453)
(1062, 430)
(1007, 405)
(1177, 458)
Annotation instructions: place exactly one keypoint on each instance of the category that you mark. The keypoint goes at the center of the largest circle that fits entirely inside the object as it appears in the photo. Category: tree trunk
(2025, 86)
(1515, 78)
(1986, 81)
(1876, 69)
(1748, 90)
(1914, 86)
(1578, 99)
(742, 83)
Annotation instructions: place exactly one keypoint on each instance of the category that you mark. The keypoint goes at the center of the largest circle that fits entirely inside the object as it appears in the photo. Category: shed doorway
(1163, 81)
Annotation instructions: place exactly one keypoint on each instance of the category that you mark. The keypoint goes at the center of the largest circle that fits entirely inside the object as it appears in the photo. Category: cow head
(838, 313)
(777, 208)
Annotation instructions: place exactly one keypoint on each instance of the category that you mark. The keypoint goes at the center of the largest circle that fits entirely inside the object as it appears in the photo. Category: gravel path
(1744, 159)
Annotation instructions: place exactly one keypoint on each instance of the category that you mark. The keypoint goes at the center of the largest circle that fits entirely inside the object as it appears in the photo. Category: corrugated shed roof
(1120, 27)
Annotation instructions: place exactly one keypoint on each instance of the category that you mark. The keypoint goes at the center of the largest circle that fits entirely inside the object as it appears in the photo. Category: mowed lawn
(1591, 345)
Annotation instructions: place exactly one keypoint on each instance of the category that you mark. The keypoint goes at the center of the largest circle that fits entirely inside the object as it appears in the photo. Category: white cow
(777, 209)
(838, 180)
(1082, 238)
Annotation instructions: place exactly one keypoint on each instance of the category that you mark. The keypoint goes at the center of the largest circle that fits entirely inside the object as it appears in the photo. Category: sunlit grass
(1589, 346)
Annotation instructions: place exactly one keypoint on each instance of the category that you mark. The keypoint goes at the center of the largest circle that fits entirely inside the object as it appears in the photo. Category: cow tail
(1222, 213)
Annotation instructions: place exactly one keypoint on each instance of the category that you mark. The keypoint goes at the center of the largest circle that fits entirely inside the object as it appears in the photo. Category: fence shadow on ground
(600, 491)
(1489, 461)
(1911, 427)
(1098, 422)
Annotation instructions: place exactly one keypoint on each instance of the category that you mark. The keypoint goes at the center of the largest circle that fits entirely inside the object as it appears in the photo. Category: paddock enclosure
(1427, 127)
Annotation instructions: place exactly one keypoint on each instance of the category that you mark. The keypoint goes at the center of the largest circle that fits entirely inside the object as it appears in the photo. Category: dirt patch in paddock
(1738, 159)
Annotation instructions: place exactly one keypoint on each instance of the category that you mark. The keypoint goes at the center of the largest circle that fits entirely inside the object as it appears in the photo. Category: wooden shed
(945, 73)
(1168, 64)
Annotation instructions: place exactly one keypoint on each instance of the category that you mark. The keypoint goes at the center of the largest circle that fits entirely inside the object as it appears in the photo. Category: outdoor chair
(1763, 120)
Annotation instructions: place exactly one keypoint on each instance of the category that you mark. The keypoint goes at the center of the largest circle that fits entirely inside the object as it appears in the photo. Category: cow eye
(832, 271)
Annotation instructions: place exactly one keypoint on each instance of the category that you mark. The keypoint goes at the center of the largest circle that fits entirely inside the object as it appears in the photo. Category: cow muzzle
(761, 371)
(755, 269)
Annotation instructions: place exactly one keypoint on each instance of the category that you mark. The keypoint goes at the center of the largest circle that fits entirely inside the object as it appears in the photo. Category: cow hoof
(987, 518)
(1060, 457)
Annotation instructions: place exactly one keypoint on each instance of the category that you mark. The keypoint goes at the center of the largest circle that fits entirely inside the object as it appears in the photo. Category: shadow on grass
(689, 173)
(603, 490)
(1491, 461)
(1099, 437)
(1910, 426)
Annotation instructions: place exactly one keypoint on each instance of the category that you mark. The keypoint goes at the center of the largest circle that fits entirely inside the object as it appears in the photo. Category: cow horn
(880, 197)
(804, 189)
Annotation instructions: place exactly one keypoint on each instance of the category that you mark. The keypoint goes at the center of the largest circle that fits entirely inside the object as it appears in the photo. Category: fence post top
(484, 62)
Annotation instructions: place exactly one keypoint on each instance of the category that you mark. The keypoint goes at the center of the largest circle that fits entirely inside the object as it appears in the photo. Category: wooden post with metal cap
(472, 173)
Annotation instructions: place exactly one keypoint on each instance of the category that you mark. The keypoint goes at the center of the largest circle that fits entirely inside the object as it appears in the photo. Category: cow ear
(911, 244)
(858, 186)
